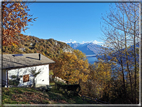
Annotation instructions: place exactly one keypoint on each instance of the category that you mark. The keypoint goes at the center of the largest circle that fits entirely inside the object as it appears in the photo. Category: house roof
(27, 60)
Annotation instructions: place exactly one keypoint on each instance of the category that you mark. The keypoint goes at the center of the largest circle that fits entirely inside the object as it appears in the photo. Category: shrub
(13, 76)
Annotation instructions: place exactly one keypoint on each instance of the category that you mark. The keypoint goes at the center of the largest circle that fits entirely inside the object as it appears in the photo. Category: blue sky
(68, 22)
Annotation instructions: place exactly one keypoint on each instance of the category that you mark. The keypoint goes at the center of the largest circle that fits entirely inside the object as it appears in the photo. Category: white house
(22, 65)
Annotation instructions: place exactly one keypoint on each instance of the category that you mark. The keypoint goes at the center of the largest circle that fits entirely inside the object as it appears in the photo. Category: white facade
(41, 79)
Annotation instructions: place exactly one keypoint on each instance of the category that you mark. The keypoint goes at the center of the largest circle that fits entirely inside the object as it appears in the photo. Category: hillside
(16, 95)
(29, 95)
(30, 44)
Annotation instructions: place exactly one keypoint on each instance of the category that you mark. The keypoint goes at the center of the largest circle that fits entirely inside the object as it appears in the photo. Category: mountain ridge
(30, 44)
(88, 48)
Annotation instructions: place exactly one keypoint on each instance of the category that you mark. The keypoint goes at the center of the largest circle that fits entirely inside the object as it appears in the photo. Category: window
(26, 78)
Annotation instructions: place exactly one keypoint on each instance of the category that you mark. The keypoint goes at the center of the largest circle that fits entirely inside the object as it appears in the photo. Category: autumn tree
(99, 79)
(132, 13)
(15, 18)
(80, 55)
(70, 68)
(121, 31)
(114, 39)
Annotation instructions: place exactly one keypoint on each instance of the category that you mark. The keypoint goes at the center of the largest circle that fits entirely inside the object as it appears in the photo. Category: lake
(92, 59)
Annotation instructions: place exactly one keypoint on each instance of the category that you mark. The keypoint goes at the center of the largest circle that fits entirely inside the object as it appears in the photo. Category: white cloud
(66, 41)
(82, 42)
(94, 41)
(74, 42)
(97, 42)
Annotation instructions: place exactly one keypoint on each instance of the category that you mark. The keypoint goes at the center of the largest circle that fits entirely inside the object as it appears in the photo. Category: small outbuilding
(24, 67)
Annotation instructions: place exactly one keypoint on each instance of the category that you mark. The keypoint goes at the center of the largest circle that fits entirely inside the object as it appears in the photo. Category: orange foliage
(15, 17)
(70, 68)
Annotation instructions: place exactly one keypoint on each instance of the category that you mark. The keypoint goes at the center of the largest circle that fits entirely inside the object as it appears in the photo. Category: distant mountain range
(94, 49)
(121, 53)
(130, 51)
(88, 48)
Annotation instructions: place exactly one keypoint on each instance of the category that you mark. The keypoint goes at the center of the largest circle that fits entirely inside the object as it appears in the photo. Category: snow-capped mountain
(88, 48)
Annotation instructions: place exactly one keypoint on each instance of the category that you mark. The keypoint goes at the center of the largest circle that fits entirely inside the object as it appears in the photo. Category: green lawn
(17, 95)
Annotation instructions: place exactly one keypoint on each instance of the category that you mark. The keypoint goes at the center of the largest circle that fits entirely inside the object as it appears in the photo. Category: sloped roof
(27, 60)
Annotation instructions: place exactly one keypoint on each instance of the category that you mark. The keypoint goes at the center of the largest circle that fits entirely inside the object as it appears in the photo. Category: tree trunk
(34, 82)
(124, 88)
(126, 56)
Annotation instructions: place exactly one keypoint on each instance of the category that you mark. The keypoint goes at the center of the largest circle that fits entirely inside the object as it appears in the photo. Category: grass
(16, 95)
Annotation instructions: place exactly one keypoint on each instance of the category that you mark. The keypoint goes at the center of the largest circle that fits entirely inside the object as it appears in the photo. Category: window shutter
(26, 78)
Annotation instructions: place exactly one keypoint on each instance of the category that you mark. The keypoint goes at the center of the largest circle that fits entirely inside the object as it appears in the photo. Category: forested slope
(30, 44)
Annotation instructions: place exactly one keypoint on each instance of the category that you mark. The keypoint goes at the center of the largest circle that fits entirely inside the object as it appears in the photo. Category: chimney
(39, 56)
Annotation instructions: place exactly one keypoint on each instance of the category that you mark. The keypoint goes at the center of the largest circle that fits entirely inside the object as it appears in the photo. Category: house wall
(41, 79)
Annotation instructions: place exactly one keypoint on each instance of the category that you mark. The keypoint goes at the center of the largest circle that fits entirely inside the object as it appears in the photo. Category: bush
(13, 76)
(13, 82)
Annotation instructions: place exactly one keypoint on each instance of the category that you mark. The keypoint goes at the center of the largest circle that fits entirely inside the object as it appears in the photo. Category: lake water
(91, 60)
